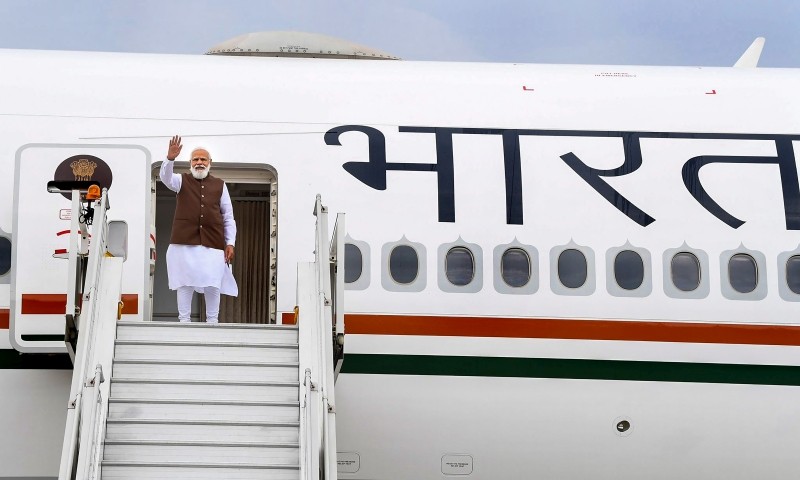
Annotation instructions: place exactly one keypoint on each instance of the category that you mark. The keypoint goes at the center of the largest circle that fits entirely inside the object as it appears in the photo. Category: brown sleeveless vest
(198, 220)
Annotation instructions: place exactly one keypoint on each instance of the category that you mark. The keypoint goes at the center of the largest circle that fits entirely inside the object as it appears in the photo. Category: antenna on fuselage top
(750, 57)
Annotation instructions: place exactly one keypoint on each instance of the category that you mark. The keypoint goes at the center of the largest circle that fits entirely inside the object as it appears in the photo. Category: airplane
(550, 271)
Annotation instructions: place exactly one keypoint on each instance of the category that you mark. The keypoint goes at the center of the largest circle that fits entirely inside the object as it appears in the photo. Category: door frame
(239, 173)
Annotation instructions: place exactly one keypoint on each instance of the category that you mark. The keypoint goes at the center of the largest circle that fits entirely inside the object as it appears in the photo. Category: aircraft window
(515, 267)
(572, 268)
(459, 266)
(793, 274)
(629, 270)
(353, 263)
(403, 264)
(743, 273)
(5, 255)
(685, 271)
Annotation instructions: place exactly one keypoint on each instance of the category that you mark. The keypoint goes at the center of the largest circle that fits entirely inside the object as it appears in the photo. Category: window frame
(585, 267)
(500, 284)
(726, 286)
(786, 273)
(476, 284)
(669, 287)
(389, 265)
(588, 286)
(699, 271)
(447, 261)
(420, 281)
(613, 287)
(502, 266)
(730, 272)
(363, 282)
(785, 292)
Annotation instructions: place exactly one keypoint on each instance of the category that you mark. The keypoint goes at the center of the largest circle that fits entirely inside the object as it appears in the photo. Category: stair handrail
(325, 338)
(306, 459)
(306, 315)
(336, 259)
(317, 336)
(88, 406)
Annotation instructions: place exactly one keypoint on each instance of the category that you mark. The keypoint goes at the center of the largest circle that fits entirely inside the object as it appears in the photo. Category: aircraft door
(41, 234)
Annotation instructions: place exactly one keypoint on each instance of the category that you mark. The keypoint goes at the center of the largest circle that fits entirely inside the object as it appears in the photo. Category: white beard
(200, 174)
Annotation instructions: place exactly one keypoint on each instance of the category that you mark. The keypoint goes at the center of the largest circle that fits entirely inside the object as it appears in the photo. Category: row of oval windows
(629, 270)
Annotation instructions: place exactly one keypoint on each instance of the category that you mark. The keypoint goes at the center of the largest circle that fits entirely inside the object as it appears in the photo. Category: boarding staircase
(202, 401)
(168, 400)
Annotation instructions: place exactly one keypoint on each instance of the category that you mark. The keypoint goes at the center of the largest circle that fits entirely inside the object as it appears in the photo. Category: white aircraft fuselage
(684, 363)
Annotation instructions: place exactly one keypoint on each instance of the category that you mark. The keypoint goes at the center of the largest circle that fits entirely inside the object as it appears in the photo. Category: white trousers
(211, 295)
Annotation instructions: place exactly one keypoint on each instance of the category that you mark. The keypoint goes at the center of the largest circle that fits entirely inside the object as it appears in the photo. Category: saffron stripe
(288, 318)
(572, 329)
(56, 303)
(43, 303)
(131, 304)
(576, 369)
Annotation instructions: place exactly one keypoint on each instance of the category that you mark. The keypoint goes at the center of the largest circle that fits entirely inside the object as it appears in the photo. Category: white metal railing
(306, 457)
(318, 333)
(82, 450)
(336, 258)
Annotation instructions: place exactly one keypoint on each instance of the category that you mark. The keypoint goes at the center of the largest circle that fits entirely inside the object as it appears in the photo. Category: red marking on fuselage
(56, 303)
(66, 232)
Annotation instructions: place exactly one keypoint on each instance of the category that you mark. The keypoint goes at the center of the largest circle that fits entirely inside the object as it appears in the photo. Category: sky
(619, 32)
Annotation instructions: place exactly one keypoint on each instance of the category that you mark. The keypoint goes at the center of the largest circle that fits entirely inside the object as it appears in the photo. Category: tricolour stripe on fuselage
(571, 349)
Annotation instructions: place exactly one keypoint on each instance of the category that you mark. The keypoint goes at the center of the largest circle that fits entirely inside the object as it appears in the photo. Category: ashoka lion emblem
(83, 168)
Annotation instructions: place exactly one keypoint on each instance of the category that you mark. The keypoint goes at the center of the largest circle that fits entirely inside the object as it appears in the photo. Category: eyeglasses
(200, 159)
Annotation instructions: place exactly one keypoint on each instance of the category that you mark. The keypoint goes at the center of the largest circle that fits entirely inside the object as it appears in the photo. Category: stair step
(213, 452)
(112, 470)
(223, 332)
(206, 370)
(186, 430)
(193, 350)
(148, 389)
(203, 410)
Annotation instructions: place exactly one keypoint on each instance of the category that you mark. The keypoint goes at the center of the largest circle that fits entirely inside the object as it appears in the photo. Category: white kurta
(196, 265)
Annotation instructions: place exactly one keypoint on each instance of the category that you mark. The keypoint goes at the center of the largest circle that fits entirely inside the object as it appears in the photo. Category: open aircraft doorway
(254, 196)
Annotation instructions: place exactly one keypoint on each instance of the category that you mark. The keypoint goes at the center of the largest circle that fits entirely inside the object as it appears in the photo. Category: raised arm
(168, 178)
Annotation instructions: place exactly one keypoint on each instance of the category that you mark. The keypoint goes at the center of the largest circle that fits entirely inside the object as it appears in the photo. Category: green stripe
(571, 368)
(12, 359)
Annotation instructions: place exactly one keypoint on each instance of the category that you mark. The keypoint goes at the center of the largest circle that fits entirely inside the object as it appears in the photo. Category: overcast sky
(647, 32)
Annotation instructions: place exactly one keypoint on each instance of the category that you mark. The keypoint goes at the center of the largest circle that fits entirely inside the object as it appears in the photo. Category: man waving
(201, 247)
